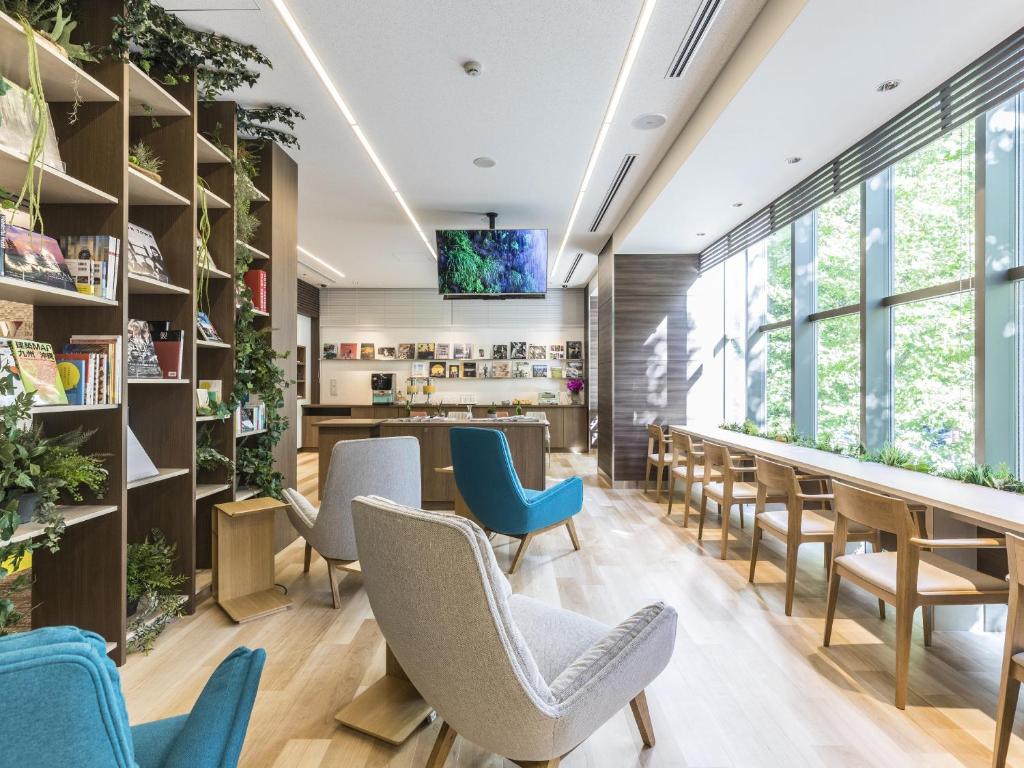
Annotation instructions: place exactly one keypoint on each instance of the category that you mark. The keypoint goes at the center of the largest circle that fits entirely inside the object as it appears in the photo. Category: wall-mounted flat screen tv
(492, 263)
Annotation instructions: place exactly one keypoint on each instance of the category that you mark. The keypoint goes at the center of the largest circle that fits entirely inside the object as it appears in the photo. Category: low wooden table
(243, 559)
(333, 431)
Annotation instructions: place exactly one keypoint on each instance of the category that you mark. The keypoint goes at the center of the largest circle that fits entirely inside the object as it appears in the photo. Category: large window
(780, 275)
(837, 252)
(934, 204)
(933, 378)
(778, 381)
(838, 379)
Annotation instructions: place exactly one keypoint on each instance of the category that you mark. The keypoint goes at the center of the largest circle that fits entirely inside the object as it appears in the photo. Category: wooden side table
(243, 559)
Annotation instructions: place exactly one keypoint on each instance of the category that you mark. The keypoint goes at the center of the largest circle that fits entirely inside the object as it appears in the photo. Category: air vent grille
(694, 37)
(572, 269)
(613, 190)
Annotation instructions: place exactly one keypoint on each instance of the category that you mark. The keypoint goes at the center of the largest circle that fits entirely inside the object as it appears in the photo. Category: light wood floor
(746, 686)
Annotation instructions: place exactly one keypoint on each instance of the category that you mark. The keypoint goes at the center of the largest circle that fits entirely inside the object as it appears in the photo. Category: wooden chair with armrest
(687, 467)
(797, 524)
(659, 457)
(731, 483)
(910, 577)
(1013, 654)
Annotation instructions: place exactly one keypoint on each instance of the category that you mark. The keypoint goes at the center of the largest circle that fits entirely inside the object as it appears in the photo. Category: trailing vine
(255, 123)
(207, 455)
(203, 249)
(256, 369)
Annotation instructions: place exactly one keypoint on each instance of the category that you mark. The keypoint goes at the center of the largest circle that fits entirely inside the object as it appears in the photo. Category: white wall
(303, 337)
(389, 317)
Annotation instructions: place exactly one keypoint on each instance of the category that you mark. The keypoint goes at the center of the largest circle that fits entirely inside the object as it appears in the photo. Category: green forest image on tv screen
(492, 261)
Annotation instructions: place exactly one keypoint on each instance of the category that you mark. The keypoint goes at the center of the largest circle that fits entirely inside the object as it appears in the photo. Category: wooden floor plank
(747, 686)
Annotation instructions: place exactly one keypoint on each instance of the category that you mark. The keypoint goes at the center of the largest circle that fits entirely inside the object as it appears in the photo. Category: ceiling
(813, 95)
(548, 73)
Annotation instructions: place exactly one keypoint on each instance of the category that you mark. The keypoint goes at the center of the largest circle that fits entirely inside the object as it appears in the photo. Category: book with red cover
(170, 355)
(256, 280)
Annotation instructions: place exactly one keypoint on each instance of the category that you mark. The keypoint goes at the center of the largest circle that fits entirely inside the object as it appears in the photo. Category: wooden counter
(525, 440)
(332, 431)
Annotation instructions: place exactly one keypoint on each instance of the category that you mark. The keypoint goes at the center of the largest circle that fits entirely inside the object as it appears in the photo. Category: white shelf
(243, 493)
(260, 313)
(147, 98)
(202, 491)
(24, 292)
(204, 578)
(73, 515)
(260, 197)
(214, 202)
(143, 190)
(208, 418)
(256, 253)
(212, 344)
(216, 274)
(39, 410)
(150, 285)
(62, 80)
(162, 474)
(111, 647)
(209, 153)
(240, 435)
(58, 187)
(157, 381)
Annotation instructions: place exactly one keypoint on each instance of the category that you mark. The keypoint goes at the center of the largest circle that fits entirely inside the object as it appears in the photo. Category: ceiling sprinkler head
(887, 85)
(472, 68)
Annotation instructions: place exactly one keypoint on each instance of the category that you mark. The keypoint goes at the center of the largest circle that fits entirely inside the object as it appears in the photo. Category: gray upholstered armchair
(520, 678)
(388, 466)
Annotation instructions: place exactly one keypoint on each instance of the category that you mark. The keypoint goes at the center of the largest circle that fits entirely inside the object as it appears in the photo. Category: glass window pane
(933, 379)
(934, 205)
(780, 274)
(735, 338)
(838, 379)
(837, 268)
(778, 391)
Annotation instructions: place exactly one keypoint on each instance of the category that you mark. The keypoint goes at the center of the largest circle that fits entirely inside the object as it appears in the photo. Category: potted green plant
(153, 590)
(36, 471)
(143, 159)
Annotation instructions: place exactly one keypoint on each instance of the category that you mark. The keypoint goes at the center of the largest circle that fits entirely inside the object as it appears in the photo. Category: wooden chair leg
(647, 477)
(928, 619)
(881, 609)
(754, 545)
(792, 550)
(335, 599)
(642, 715)
(742, 516)
(687, 490)
(904, 633)
(520, 552)
(671, 491)
(830, 606)
(442, 746)
(703, 514)
(570, 526)
(1009, 691)
(308, 555)
(828, 555)
(660, 468)
(725, 509)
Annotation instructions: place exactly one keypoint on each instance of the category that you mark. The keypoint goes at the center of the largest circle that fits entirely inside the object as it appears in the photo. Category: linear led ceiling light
(318, 67)
(609, 115)
(320, 261)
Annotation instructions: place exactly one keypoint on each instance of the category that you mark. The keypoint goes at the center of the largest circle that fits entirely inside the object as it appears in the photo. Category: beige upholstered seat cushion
(935, 574)
(680, 471)
(813, 523)
(747, 492)
(656, 458)
(556, 637)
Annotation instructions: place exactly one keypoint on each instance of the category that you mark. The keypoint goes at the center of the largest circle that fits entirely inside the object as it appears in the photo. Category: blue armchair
(491, 490)
(64, 707)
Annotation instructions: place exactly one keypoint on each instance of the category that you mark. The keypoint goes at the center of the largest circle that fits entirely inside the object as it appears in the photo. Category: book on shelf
(251, 416)
(142, 360)
(256, 281)
(35, 258)
(18, 122)
(107, 352)
(144, 257)
(9, 369)
(37, 368)
(93, 261)
(209, 394)
(85, 389)
(206, 328)
(170, 350)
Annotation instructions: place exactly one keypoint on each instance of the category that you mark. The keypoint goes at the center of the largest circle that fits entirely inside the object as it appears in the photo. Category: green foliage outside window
(780, 274)
(837, 256)
(778, 381)
(838, 379)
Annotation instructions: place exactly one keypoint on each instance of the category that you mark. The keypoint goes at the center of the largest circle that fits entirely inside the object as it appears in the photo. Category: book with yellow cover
(37, 367)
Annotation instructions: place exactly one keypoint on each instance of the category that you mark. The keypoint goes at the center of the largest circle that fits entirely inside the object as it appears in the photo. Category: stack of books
(92, 262)
(97, 363)
(155, 350)
(251, 417)
(256, 281)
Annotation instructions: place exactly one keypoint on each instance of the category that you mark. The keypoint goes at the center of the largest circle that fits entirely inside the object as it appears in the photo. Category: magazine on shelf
(9, 369)
(37, 367)
(93, 261)
(169, 346)
(144, 257)
(142, 360)
(35, 258)
(206, 329)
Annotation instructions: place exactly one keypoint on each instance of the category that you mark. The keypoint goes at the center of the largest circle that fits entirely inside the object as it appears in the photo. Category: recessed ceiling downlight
(793, 160)
(737, 205)
(887, 85)
(649, 121)
(484, 162)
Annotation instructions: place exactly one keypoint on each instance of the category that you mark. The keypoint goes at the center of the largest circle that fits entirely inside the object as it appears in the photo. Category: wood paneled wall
(646, 349)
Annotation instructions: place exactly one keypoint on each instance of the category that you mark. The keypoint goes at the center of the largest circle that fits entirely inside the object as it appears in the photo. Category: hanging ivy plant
(257, 123)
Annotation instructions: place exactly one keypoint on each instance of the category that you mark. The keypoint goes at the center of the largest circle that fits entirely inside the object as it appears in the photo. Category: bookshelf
(300, 372)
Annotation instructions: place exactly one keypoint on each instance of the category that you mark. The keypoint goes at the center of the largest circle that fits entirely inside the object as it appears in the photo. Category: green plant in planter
(53, 20)
(151, 578)
(143, 157)
(40, 468)
(207, 455)
(1000, 477)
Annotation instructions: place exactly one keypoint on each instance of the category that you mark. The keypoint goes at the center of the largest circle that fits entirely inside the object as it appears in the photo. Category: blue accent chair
(490, 487)
(65, 708)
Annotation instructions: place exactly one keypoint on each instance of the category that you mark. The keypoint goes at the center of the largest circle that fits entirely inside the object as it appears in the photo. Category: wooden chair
(1013, 655)
(687, 466)
(797, 524)
(730, 484)
(911, 576)
(659, 456)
